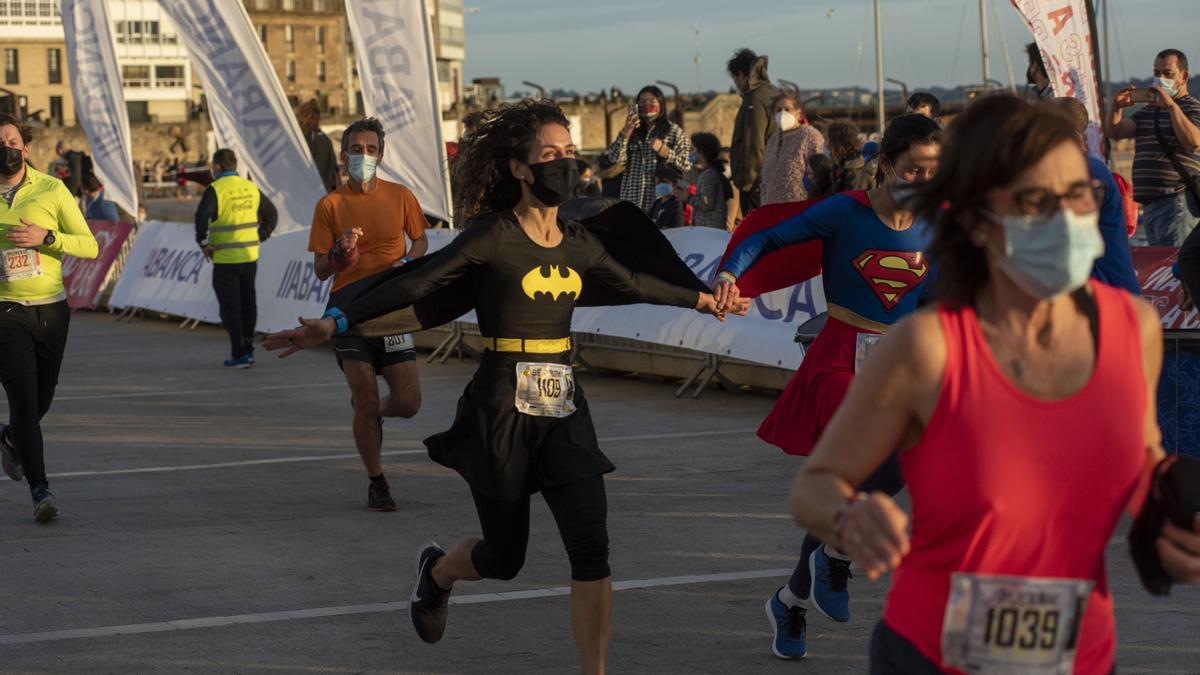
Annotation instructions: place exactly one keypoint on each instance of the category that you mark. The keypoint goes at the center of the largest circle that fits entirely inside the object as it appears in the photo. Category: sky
(589, 45)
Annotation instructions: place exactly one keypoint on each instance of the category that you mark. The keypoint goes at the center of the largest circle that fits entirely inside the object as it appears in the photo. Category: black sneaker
(44, 507)
(428, 603)
(379, 497)
(8, 456)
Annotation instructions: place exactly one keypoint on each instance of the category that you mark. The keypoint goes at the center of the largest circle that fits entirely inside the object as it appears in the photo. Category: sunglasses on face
(1083, 196)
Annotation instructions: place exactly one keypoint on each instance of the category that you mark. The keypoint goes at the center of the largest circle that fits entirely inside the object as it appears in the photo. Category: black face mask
(554, 181)
(11, 161)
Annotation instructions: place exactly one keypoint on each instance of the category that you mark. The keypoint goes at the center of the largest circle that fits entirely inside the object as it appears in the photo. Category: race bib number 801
(1009, 624)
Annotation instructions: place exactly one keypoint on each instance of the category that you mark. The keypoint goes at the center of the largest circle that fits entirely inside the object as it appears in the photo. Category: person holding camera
(1166, 161)
(648, 140)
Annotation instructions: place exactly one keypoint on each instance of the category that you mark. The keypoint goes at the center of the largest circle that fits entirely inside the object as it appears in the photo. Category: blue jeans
(1169, 220)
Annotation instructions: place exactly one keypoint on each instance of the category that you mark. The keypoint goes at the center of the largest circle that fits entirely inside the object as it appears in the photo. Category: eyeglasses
(1084, 196)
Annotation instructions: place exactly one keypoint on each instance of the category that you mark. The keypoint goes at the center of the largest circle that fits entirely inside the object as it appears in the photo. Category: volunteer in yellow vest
(233, 218)
(40, 222)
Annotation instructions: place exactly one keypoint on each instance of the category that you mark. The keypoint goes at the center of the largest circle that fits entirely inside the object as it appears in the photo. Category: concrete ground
(214, 521)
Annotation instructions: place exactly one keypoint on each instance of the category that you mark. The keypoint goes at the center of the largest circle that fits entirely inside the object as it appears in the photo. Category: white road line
(189, 392)
(318, 458)
(373, 608)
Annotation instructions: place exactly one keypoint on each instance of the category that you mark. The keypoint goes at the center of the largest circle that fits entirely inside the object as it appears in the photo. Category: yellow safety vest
(234, 232)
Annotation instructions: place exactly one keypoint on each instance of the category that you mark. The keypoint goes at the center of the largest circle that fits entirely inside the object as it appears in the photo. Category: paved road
(214, 521)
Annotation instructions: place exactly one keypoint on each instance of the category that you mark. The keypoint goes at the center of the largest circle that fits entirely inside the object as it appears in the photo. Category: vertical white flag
(249, 111)
(99, 100)
(394, 49)
(1064, 36)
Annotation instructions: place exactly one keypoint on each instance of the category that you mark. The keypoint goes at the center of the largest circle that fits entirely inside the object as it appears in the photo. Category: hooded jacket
(753, 125)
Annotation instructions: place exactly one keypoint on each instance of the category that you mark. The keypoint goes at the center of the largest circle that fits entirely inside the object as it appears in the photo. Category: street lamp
(541, 90)
(678, 112)
(903, 88)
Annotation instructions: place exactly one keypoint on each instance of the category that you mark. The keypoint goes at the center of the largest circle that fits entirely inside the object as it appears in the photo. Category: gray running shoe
(428, 603)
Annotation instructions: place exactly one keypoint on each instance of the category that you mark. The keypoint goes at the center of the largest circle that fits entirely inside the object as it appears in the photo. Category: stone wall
(150, 141)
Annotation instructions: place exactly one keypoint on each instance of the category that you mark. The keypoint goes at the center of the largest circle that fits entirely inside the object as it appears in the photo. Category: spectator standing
(849, 170)
(753, 124)
(319, 145)
(713, 189)
(97, 207)
(666, 210)
(589, 184)
(785, 160)
(924, 103)
(1166, 160)
(648, 140)
(78, 165)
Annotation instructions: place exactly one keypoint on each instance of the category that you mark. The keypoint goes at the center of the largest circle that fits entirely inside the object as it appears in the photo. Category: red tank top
(1006, 484)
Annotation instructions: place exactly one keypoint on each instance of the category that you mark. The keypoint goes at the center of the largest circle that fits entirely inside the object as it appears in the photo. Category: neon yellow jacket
(45, 202)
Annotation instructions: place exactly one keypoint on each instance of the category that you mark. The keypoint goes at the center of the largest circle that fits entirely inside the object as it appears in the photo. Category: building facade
(155, 69)
(307, 45)
(35, 62)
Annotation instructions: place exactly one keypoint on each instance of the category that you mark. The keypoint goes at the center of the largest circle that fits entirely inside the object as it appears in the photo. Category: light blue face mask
(1167, 85)
(1049, 255)
(662, 190)
(692, 157)
(362, 167)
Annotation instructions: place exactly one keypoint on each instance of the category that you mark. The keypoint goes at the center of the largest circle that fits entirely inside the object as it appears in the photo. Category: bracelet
(405, 260)
(727, 276)
(839, 519)
(339, 319)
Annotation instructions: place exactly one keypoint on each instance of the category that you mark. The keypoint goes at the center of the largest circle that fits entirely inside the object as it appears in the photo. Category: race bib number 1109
(545, 389)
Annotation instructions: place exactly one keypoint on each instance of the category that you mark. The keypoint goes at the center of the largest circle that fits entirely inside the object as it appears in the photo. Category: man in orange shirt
(360, 230)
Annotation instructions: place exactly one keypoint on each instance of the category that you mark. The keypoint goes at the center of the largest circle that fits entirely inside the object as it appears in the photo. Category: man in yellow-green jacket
(40, 222)
(233, 218)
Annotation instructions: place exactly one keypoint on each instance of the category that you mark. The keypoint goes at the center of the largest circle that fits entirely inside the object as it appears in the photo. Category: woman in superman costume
(868, 249)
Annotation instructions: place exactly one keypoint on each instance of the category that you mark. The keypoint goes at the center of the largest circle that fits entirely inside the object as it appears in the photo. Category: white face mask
(1049, 255)
(362, 167)
(786, 120)
(1167, 85)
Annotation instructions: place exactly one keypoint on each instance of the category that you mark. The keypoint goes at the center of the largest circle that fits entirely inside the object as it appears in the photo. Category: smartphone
(1143, 96)
(633, 109)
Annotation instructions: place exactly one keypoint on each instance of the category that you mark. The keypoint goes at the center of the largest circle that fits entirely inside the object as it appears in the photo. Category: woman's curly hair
(481, 175)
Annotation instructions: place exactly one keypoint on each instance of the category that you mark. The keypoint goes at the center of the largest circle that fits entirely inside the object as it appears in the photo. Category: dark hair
(924, 98)
(225, 159)
(661, 126)
(1075, 108)
(988, 146)
(708, 146)
(91, 183)
(843, 141)
(481, 175)
(906, 131)
(821, 170)
(666, 174)
(1035, 59)
(1167, 53)
(582, 165)
(785, 95)
(308, 116)
(23, 129)
(470, 121)
(743, 59)
(365, 124)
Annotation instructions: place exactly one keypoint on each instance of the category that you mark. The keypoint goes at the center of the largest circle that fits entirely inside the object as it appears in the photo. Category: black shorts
(380, 352)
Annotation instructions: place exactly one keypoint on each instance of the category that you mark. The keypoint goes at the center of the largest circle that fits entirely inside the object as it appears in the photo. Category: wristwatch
(50, 238)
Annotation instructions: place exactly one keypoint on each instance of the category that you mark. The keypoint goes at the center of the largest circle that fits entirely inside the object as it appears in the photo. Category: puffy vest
(234, 232)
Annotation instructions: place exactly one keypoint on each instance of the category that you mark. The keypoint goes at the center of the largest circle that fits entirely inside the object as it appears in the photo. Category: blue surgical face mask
(662, 190)
(692, 157)
(362, 167)
(902, 190)
(1049, 255)
(1167, 85)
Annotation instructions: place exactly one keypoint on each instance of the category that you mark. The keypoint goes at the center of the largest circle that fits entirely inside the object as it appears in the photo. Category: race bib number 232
(20, 263)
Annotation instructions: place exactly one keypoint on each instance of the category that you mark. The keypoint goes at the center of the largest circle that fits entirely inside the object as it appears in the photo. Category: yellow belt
(846, 316)
(527, 346)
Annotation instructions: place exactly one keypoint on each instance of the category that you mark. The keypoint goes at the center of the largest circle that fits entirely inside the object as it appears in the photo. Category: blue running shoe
(45, 508)
(240, 362)
(829, 577)
(789, 626)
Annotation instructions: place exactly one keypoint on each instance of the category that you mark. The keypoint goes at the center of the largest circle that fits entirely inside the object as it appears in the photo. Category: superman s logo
(891, 274)
(553, 280)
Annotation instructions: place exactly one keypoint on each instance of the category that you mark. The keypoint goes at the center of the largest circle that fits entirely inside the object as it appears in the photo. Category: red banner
(1161, 289)
(83, 277)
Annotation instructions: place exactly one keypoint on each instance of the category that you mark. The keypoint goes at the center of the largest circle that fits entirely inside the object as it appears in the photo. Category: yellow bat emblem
(554, 280)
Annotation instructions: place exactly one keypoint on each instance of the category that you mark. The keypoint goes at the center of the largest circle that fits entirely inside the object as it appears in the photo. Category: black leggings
(234, 286)
(32, 342)
(581, 510)
(887, 479)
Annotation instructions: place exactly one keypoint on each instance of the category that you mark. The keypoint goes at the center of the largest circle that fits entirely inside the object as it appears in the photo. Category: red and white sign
(1161, 289)
(83, 277)
(1062, 33)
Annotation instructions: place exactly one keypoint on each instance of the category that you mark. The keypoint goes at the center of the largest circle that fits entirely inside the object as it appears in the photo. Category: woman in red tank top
(1023, 405)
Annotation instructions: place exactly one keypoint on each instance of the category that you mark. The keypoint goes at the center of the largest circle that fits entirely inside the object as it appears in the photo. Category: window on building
(135, 77)
(289, 5)
(46, 8)
(54, 65)
(262, 4)
(451, 5)
(443, 70)
(320, 71)
(291, 71)
(139, 111)
(320, 39)
(171, 77)
(121, 32)
(289, 37)
(11, 67)
(56, 109)
(452, 36)
(318, 5)
(262, 34)
(3, 7)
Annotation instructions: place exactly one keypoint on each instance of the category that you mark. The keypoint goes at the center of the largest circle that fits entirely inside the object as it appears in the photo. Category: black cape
(622, 228)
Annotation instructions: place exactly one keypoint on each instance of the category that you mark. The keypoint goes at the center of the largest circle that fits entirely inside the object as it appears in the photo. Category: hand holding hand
(727, 293)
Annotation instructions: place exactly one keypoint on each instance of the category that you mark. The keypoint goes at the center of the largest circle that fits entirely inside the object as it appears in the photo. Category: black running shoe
(428, 603)
(45, 508)
(379, 497)
(8, 456)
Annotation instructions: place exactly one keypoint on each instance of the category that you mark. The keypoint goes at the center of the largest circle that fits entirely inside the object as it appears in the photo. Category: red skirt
(815, 391)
